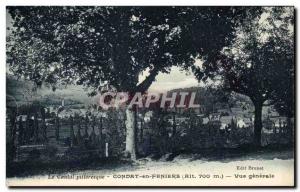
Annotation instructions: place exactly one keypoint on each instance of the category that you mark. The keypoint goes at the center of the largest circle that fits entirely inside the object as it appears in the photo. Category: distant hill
(23, 92)
(214, 99)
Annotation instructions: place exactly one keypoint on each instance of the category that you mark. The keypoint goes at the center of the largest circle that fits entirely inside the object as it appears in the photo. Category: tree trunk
(142, 130)
(135, 130)
(257, 124)
(130, 150)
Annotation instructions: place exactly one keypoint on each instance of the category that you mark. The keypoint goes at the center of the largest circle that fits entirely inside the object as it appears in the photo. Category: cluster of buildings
(242, 114)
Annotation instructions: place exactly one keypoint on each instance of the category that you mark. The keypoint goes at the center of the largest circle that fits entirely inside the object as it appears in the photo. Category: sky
(174, 80)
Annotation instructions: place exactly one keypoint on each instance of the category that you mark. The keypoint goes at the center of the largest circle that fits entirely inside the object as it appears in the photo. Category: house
(240, 123)
(225, 121)
(22, 117)
(279, 121)
(198, 110)
(214, 116)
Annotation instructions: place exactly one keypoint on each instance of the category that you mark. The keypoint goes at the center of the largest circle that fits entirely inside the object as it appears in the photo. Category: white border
(152, 2)
(5, 3)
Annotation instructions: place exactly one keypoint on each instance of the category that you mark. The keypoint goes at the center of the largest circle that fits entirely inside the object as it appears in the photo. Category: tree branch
(144, 85)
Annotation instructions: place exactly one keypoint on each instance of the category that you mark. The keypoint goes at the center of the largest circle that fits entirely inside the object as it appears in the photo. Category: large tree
(94, 46)
(283, 97)
(260, 62)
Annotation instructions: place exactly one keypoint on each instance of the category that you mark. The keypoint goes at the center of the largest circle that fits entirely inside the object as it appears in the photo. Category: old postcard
(150, 96)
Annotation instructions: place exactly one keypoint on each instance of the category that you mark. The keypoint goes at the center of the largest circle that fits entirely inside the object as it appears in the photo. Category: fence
(74, 135)
(35, 135)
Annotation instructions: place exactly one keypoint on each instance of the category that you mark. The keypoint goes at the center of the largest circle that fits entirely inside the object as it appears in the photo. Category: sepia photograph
(150, 96)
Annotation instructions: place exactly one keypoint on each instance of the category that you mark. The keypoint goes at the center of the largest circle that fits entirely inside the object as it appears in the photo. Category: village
(60, 131)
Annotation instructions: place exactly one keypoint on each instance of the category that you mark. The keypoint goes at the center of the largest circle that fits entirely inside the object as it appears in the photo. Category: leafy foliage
(97, 46)
(261, 61)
